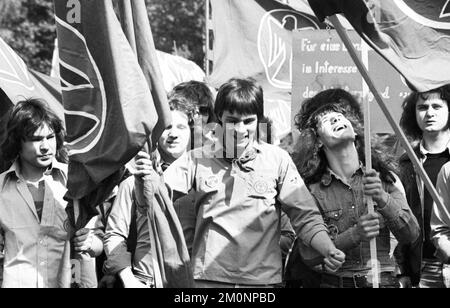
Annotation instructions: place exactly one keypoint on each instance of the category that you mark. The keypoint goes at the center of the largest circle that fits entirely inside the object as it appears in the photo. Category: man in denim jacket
(331, 162)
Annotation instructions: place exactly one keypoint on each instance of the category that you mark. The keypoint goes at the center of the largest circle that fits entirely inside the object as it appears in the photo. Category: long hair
(309, 156)
(25, 118)
(408, 120)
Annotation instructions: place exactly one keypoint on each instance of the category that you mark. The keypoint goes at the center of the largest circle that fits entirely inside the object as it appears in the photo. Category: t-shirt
(38, 193)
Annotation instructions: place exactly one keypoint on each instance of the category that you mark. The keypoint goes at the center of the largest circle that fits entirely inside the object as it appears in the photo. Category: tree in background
(28, 26)
(178, 27)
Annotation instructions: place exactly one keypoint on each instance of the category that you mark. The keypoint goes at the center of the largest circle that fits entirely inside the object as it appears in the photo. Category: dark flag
(109, 107)
(412, 35)
(172, 268)
(108, 104)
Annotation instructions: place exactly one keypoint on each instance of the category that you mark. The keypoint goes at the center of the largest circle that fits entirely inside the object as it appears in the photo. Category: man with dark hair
(425, 120)
(32, 209)
(240, 188)
(331, 160)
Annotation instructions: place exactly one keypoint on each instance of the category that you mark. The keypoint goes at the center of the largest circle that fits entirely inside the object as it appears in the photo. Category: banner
(412, 35)
(321, 62)
(253, 38)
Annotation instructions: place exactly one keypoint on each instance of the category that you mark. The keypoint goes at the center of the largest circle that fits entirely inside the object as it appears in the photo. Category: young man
(425, 121)
(236, 187)
(331, 161)
(127, 240)
(32, 209)
(200, 97)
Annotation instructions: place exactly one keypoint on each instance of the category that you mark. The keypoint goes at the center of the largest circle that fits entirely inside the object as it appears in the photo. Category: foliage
(28, 26)
(178, 27)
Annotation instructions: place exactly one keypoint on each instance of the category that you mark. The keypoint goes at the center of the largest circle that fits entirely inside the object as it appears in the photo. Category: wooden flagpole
(208, 42)
(127, 22)
(368, 145)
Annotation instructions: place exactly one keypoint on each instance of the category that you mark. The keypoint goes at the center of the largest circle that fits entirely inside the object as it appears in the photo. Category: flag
(253, 38)
(17, 83)
(108, 105)
(148, 60)
(176, 69)
(412, 35)
(171, 265)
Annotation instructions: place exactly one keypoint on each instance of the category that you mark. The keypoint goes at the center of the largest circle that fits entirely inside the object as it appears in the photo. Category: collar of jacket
(328, 176)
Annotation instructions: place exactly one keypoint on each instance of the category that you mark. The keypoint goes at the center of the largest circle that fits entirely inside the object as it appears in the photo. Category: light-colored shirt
(33, 248)
(118, 231)
(238, 222)
(440, 217)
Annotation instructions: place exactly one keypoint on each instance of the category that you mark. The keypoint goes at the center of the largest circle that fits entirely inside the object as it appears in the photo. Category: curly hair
(309, 156)
(25, 118)
(408, 120)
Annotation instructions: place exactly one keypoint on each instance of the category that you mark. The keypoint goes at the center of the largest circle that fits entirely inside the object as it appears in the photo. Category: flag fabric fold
(108, 105)
(170, 251)
(412, 35)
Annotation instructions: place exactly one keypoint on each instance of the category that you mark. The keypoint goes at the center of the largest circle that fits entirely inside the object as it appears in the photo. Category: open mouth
(339, 128)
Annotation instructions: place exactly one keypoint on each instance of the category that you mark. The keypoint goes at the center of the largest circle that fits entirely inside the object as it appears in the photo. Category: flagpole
(367, 141)
(126, 20)
(397, 130)
(368, 155)
(207, 37)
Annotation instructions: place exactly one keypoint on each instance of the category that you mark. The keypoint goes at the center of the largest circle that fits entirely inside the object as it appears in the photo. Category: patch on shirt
(261, 187)
(212, 181)
(334, 231)
(66, 225)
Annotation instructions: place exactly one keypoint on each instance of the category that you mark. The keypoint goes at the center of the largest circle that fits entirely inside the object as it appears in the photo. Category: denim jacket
(342, 204)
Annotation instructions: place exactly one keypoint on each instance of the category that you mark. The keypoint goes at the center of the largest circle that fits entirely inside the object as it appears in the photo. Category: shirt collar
(424, 152)
(329, 174)
(56, 167)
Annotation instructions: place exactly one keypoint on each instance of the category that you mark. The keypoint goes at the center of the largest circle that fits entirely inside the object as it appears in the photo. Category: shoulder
(404, 158)
(127, 186)
(445, 171)
(273, 151)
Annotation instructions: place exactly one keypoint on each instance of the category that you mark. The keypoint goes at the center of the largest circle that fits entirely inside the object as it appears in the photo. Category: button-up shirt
(238, 222)
(33, 248)
(342, 204)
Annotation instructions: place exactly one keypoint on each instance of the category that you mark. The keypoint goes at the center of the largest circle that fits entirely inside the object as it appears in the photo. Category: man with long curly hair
(425, 120)
(330, 158)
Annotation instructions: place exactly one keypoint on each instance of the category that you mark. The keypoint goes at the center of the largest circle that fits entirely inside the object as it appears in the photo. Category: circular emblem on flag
(275, 43)
(261, 187)
(435, 14)
(212, 181)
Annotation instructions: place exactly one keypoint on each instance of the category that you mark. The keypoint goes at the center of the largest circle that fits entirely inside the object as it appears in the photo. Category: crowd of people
(252, 214)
